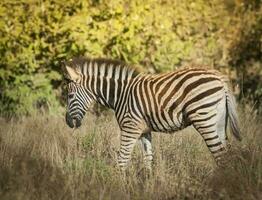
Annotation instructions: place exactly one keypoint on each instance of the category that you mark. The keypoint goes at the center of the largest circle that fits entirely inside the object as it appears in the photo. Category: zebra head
(78, 97)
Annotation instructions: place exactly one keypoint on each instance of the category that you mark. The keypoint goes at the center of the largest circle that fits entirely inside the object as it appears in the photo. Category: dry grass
(41, 158)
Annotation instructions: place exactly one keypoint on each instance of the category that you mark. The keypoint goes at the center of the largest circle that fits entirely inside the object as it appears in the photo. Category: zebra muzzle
(72, 122)
(69, 120)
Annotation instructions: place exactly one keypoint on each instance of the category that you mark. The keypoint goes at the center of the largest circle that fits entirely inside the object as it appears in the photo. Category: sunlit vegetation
(41, 158)
(158, 35)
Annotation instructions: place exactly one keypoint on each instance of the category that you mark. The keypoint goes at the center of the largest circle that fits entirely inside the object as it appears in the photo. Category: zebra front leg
(146, 145)
(127, 143)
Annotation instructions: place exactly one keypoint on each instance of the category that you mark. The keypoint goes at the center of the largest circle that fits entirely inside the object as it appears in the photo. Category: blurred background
(42, 158)
(159, 35)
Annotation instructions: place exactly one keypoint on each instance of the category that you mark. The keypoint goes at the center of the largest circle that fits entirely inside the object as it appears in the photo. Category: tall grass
(41, 158)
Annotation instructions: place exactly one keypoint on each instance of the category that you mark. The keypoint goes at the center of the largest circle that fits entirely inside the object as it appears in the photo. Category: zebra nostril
(77, 123)
(69, 120)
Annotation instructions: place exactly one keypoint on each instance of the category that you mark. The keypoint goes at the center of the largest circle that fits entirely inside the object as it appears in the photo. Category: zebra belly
(166, 122)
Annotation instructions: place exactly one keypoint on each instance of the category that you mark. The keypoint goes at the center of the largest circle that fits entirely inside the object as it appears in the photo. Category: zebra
(143, 103)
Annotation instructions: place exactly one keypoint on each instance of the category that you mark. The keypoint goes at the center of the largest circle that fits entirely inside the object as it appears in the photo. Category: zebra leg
(146, 145)
(211, 125)
(221, 131)
(127, 143)
(209, 132)
(222, 122)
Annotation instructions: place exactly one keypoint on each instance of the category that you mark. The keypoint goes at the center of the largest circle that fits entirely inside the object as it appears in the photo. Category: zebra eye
(70, 96)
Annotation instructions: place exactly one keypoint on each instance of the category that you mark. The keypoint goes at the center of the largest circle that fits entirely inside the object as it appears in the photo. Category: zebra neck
(110, 92)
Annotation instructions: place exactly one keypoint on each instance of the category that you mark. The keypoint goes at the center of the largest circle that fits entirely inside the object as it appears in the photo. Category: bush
(160, 35)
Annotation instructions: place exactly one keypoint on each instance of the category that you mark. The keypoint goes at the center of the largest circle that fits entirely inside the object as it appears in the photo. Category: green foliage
(160, 35)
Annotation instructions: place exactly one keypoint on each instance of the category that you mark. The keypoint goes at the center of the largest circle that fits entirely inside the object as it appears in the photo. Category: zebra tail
(232, 113)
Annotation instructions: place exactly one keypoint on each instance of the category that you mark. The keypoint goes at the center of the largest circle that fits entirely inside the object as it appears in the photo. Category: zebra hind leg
(214, 140)
(211, 124)
(221, 131)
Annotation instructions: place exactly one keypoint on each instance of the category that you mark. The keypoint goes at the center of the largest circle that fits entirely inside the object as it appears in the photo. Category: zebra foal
(144, 102)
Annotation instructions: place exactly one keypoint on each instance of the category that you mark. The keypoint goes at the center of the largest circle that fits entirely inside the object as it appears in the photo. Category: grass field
(41, 158)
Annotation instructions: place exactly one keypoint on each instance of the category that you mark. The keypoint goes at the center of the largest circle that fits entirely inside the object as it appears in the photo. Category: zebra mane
(81, 62)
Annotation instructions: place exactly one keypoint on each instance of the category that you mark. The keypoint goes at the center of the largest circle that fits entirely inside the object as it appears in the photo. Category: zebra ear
(71, 72)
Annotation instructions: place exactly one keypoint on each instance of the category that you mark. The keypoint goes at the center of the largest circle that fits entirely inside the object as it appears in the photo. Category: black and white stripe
(145, 102)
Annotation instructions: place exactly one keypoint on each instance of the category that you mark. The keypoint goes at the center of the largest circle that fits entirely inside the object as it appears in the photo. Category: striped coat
(144, 102)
